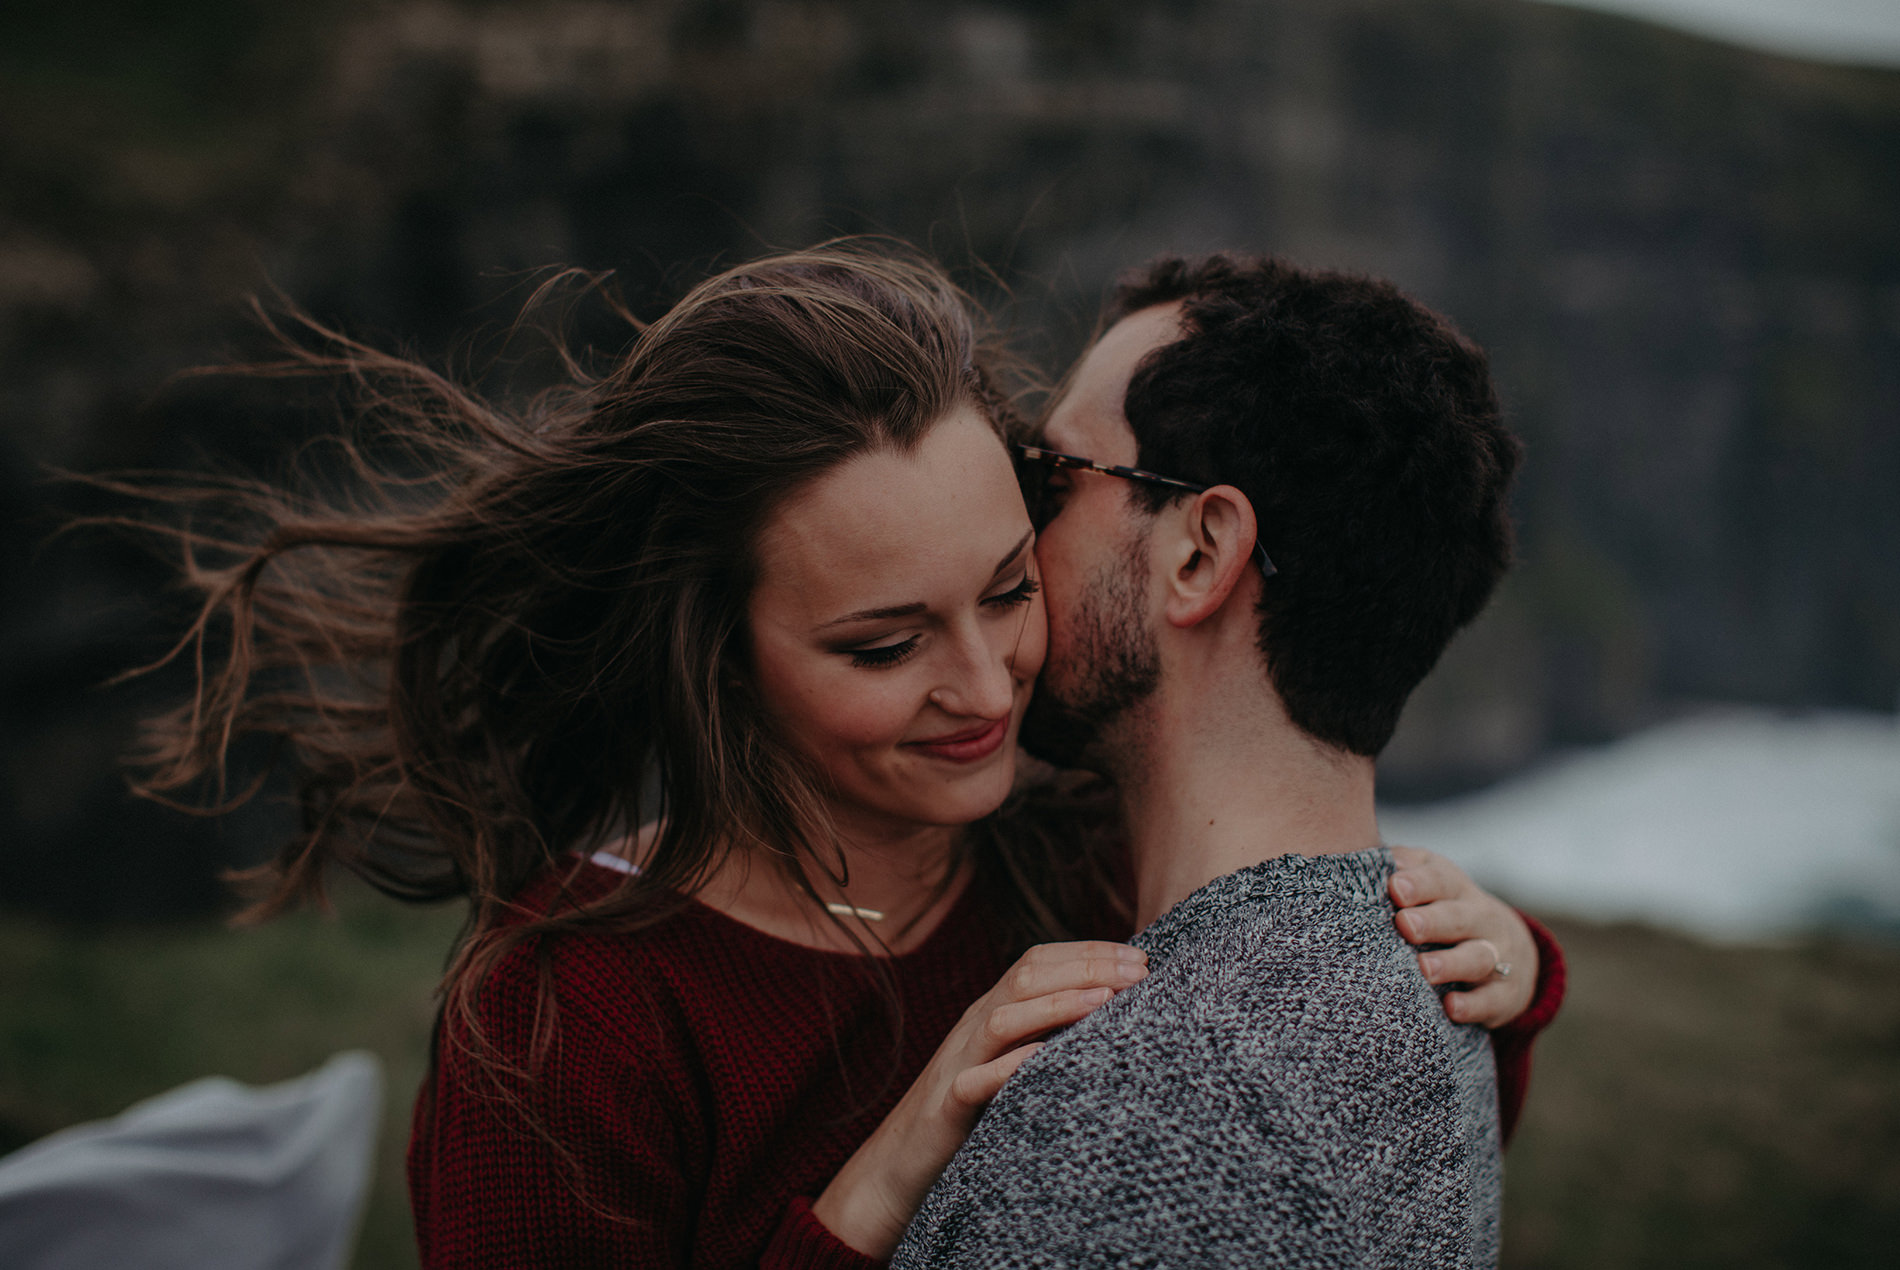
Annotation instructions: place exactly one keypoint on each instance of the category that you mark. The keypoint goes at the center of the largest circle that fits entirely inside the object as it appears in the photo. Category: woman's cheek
(831, 711)
(1030, 643)
(1035, 646)
(865, 709)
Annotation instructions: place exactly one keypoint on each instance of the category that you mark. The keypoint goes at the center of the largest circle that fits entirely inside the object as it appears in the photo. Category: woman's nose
(979, 681)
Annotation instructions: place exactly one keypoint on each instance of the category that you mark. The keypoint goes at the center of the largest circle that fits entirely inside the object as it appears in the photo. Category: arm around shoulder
(1512, 1042)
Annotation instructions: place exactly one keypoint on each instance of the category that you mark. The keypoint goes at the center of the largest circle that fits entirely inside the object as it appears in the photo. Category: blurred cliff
(1684, 256)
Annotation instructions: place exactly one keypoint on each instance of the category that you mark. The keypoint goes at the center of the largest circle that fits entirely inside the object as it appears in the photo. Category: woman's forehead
(892, 527)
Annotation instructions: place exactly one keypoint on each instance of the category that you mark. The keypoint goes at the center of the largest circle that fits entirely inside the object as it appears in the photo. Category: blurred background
(1676, 227)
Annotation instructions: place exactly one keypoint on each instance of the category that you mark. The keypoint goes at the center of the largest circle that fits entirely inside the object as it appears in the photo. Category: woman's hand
(1490, 948)
(880, 1187)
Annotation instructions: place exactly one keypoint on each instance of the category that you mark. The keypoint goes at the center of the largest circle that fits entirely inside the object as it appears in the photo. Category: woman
(768, 590)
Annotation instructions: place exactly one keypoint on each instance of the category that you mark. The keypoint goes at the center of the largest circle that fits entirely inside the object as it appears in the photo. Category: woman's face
(896, 628)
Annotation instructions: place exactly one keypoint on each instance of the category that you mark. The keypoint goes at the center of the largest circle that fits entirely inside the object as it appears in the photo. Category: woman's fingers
(1084, 964)
(1049, 987)
(1011, 1024)
(975, 1086)
(1424, 876)
(1480, 931)
(1499, 990)
(1474, 961)
(1440, 922)
(1491, 1005)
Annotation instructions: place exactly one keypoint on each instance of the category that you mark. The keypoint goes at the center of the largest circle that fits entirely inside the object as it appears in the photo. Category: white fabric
(211, 1174)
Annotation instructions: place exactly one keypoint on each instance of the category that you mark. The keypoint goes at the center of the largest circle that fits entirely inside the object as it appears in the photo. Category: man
(1320, 503)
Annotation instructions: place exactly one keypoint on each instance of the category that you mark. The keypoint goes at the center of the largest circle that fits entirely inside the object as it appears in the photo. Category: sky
(1856, 31)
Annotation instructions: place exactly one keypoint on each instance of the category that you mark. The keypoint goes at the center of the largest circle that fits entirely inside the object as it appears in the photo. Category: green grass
(92, 1020)
(1693, 1106)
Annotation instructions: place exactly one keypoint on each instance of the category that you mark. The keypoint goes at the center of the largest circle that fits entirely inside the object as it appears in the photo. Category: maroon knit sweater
(705, 1081)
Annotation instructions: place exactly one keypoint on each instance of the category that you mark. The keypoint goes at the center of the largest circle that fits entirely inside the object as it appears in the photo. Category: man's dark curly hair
(1366, 432)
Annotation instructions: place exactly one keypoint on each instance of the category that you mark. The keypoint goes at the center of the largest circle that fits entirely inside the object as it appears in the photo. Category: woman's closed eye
(1016, 596)
(882, 655)
(879, 656)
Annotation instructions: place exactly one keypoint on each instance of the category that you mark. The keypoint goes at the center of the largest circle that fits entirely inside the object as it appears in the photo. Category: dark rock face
(1685, 259)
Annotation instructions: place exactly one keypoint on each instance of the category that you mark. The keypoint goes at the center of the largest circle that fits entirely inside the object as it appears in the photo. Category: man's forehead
(1089, 419)
(1078, 431)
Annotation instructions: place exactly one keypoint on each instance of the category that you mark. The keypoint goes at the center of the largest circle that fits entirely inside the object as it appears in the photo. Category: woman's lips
(969, 745)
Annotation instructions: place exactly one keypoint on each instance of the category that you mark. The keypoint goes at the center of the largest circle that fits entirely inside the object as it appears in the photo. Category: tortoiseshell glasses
(1035, 463)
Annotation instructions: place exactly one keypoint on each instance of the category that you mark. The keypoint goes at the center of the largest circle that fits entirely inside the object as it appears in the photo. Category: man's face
(1102, 656)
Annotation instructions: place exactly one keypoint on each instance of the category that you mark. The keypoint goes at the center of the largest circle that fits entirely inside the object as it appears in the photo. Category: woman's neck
(899, 883)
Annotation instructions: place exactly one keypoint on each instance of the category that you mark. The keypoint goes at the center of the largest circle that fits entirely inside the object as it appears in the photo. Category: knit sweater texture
(1283, 1090)
(705, 1083)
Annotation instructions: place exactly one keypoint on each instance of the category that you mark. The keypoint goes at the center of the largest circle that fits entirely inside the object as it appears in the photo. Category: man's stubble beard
(1114, 666)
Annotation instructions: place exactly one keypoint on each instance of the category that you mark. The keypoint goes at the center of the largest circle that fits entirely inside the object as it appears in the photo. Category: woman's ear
(1212, 556)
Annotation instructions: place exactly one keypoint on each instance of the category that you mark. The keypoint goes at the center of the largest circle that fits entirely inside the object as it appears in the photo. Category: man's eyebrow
(917, 606)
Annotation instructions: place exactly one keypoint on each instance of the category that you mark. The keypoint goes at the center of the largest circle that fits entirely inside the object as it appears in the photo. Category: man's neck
(1208, 789)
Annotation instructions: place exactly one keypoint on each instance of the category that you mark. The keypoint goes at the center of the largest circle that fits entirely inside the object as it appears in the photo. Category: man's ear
(1211, 553)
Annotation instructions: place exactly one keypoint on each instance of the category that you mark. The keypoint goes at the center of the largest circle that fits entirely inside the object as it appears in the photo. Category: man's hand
(1490, 947)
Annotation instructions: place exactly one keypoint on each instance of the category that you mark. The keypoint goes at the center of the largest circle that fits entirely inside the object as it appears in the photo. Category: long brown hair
(526, 634)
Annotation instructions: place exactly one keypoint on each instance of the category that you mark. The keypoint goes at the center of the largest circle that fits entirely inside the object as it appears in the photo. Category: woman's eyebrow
(872, 615)
(1010, 556)
(918, 606)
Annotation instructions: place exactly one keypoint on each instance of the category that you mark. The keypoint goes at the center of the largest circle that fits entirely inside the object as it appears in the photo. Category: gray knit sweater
(1283, 1090)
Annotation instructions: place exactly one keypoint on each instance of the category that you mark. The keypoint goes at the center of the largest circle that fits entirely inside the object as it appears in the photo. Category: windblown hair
(529, 634)
(1365, 431)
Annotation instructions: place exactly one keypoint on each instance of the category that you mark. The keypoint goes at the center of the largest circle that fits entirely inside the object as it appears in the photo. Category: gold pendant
(852, 910)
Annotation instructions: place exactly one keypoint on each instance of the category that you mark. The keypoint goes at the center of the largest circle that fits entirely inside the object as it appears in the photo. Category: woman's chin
(975, 795)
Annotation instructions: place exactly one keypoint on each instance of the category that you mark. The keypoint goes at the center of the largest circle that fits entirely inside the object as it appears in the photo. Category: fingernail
(1402, 888)
(1098, 995)
(1129, 952)
(1133, 970)
(1428, 964)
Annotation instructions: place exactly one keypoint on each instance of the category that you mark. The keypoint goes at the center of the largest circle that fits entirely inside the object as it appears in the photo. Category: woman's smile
(968, 745)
